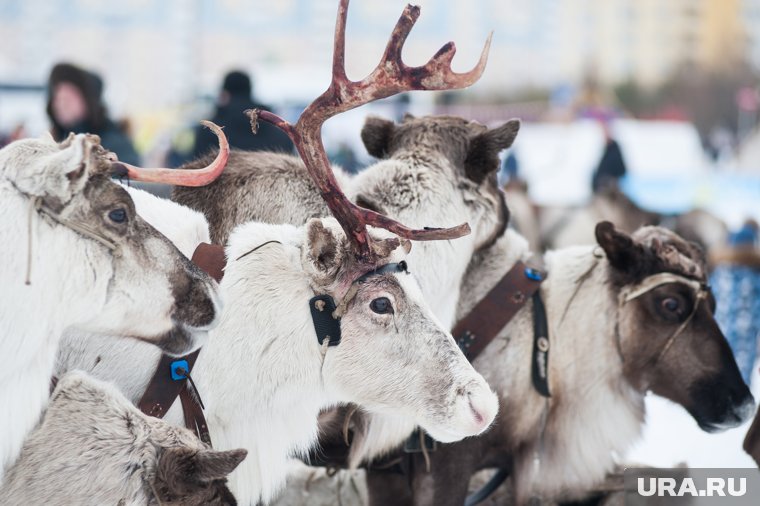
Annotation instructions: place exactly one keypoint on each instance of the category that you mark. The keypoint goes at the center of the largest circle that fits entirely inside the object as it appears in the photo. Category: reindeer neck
(260, 372)
(25, 379)
(592, 405)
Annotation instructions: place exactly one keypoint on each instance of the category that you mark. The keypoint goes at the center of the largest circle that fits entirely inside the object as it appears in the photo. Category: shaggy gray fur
(94, 448)
(255, 186)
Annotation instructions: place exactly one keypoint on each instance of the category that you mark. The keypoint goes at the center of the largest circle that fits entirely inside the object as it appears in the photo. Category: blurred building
(157, 54)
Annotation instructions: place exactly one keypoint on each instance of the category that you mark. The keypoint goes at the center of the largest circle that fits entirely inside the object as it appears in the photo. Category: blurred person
(612, 166)
(234, 98)
(75, 105)
(735, 282)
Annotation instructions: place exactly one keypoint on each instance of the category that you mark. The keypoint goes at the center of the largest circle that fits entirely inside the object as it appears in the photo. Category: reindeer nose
(197, 300)
(484, 405)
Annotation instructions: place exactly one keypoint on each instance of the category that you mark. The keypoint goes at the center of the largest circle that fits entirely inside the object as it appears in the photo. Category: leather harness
(480, 327)
(172, 377)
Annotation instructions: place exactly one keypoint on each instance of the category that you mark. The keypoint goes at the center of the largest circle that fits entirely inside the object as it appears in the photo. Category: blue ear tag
(533, 274)
(179, 369)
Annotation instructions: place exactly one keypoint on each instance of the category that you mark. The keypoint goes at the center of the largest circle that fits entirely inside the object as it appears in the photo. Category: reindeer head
(385, 323)
(669, 340)
(195, 476)
(463, 160)
(118, 275)
(394, 356)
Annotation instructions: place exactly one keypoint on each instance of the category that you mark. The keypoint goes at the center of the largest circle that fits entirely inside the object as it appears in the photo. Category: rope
(256, 248)
(81, 228)
(650, 283)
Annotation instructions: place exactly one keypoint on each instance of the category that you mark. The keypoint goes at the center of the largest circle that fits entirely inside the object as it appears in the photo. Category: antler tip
(253, 115)
(413, 11)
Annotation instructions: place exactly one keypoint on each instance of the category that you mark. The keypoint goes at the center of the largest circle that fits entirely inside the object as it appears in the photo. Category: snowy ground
(671, 437)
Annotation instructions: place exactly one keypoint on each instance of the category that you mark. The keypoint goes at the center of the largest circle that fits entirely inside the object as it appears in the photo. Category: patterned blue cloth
(737, 294)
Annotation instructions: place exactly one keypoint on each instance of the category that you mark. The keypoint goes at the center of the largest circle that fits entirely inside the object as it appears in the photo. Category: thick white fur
(442, 201)
(73, 280)
(186, 228)
(262, 375)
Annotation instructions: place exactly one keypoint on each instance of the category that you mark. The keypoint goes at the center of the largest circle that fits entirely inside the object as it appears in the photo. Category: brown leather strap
(163, 390)
(193, 411)
(476, 330)
(752, 440)
(210, 258)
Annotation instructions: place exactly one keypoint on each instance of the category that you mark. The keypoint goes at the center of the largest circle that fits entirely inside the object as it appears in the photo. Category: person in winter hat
(234, 98)
(75, 104)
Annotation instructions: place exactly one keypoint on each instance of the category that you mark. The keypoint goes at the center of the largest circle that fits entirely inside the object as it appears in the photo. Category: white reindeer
(76, 255)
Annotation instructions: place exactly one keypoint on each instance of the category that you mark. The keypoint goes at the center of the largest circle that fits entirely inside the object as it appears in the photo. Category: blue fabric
(746, 236)
(737, 294)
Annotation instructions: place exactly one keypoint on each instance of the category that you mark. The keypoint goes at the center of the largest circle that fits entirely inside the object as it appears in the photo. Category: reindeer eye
(381, 305)
(118, 215)
(670, 304)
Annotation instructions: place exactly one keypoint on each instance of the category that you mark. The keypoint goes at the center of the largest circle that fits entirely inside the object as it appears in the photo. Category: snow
(671, 437)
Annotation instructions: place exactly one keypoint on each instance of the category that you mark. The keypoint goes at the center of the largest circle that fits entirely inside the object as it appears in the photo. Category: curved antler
(390, 76)
(180, 177)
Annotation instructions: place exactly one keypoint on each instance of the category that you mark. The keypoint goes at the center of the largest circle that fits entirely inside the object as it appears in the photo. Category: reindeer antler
(180, 177)
(391, 76)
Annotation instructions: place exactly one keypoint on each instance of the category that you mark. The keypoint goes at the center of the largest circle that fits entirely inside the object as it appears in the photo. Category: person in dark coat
(612, 165)
(75, 104)
(236, 97)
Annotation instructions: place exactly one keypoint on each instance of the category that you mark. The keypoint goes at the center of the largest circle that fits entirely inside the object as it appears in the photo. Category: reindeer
(77, 255)
(627, 317)
(121, 456)
(264, 376)
(562, 227)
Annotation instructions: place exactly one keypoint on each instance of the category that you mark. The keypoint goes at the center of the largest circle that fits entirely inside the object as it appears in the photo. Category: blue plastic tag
(533, 274)
(179, 369)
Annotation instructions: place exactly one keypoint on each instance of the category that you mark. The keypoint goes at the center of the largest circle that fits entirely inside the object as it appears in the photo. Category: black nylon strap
(540, 362)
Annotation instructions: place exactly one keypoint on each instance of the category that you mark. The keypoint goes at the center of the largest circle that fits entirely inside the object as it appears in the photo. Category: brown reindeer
(630, 316)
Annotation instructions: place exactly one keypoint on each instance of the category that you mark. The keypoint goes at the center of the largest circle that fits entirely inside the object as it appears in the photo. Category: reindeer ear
(186, 470)
(483, 154)
(376, 136)
(622, 252)
(323, 248)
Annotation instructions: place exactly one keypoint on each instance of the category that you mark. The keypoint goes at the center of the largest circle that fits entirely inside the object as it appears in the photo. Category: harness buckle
(179, 369)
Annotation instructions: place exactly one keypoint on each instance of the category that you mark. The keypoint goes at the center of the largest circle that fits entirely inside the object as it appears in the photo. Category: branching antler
(391, 76)
(180, 177)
